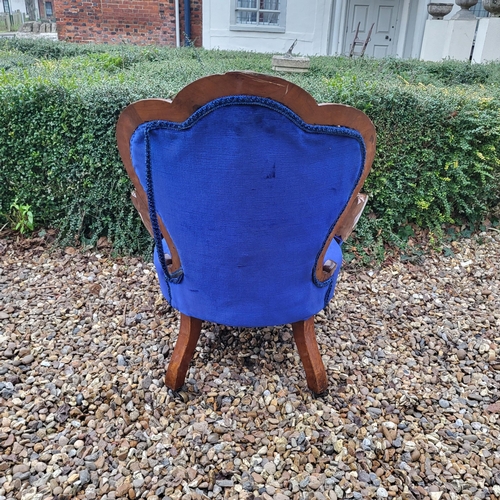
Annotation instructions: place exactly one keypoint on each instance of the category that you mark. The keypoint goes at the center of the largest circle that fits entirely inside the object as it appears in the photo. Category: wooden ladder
(357, 42)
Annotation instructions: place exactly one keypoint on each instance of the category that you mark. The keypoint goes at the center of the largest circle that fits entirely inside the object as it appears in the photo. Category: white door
(383, 15)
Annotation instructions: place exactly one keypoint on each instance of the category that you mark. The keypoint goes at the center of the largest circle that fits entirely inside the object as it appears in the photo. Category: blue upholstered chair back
(249, 194)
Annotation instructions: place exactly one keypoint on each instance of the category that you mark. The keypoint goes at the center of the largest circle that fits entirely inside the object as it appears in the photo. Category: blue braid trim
(327, 294)
(241, 100)
(255, 100)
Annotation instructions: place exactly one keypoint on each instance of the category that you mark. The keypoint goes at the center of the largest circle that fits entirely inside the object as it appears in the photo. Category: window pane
(268, 18)
(270, 4)
(247, 4)
(244, 17)
(48, 9)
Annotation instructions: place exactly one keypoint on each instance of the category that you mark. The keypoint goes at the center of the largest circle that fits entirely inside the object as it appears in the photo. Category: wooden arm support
(351, 216)
(343, 228)
(141, 204)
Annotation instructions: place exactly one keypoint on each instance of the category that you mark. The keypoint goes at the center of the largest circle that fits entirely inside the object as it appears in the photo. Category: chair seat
(250, 313)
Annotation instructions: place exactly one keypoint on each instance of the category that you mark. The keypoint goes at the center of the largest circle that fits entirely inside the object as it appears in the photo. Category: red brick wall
(135, 21)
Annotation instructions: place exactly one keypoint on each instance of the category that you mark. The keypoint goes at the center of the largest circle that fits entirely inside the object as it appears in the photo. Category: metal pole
(177, 25)
(187, 22)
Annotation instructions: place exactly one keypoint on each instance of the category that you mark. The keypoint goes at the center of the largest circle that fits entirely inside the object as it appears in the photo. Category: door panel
(379, 51)
(384, 19)
(383, 14)
(360, 15)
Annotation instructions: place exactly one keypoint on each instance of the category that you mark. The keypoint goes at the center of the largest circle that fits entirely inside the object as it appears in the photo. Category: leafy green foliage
(20, 217)
(438, 156)
(438, 126)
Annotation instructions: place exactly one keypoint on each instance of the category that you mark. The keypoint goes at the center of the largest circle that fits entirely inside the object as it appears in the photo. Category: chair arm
(325, 267)
(332, 260)
(171, 256)
(141, 206)
(351, 216)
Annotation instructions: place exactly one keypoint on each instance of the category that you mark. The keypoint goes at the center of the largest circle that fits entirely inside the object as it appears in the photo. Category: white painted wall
(434, 40)
(455, 9)
(420, 16)
(487, 46)
(308, 22)
(337, 16)
(403, 28)
(448, 39)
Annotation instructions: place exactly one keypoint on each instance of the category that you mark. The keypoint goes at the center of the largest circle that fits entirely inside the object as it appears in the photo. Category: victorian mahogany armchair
(249, 188)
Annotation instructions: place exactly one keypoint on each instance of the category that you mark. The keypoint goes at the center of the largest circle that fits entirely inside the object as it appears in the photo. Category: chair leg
(189, 333)
(305, 338)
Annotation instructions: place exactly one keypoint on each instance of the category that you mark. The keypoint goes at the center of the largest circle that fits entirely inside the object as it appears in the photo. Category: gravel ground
(412, 354)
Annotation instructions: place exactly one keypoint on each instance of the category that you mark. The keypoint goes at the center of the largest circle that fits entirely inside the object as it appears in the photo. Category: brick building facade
(141, 22)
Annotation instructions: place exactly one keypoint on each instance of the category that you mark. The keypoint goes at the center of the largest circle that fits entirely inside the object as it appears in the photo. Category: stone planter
(291, 64)
(493, 7)
(464, 12)
(439, 10)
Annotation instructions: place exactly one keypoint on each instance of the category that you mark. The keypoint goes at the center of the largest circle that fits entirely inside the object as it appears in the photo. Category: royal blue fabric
(249, 193)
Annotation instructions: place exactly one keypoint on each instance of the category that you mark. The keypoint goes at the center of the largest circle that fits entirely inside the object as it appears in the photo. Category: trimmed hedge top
(438, 126)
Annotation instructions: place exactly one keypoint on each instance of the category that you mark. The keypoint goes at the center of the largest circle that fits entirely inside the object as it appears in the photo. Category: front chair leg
(305, 338)
(189, 333)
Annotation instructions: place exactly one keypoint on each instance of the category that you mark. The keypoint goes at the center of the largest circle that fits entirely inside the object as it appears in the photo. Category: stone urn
(493, 7)
(464, 12)
(439, 10)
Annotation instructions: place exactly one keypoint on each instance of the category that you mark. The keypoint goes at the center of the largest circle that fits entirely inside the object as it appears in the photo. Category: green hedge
(438, 125)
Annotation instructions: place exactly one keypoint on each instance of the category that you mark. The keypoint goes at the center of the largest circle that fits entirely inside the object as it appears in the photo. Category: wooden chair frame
(303, 104)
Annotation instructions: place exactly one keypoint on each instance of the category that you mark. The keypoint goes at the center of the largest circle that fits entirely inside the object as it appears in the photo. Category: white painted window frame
(279, 28)
(51, 8)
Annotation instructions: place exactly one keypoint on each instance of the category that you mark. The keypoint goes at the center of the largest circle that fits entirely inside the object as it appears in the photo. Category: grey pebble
(364, 476)
(225, 483)
(303, 484)
(471, 438)
(382, 493)
(213, 438)
(84, 476)
(120, 360)
(27, 360)
(366, 444)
